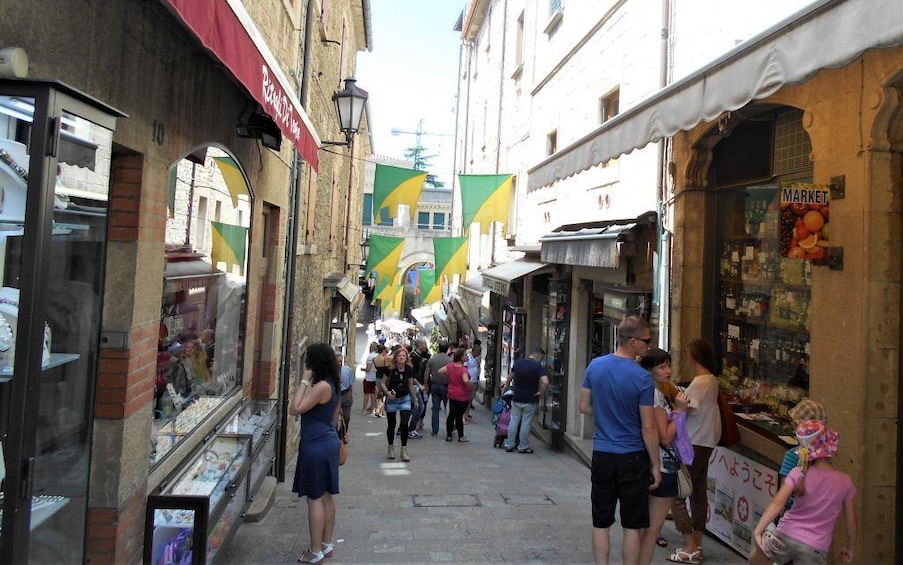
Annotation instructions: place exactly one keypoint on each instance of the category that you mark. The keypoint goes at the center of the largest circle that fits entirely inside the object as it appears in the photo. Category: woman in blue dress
(317, 473)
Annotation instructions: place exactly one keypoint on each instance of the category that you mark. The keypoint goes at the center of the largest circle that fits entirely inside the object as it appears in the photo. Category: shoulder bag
(684, 482)
(730, 433)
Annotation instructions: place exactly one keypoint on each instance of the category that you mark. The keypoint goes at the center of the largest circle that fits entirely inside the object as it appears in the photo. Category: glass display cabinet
(193, 515)
(556, 343)
(256, 420)
(56, 148)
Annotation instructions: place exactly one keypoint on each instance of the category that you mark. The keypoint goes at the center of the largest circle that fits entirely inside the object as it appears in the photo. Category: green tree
(422, 161)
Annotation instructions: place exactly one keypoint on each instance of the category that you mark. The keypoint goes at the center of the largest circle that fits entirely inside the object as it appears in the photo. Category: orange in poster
(813, 220)
(809, 242)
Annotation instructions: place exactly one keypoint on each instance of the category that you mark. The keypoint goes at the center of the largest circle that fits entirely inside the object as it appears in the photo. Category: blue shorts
(399, 404)
(624, 478)
(667, 488)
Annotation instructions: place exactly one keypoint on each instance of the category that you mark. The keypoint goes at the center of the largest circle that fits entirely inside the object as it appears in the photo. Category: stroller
(502, 418)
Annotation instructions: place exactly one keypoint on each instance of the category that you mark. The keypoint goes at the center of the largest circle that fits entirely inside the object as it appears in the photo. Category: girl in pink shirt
(821, 492)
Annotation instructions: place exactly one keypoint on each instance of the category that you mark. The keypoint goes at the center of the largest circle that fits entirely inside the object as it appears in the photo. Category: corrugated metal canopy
(591, 245)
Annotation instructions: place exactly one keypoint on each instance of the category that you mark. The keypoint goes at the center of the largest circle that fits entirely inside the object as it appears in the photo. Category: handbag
(730, 433)
(343, 453)
(684, 482)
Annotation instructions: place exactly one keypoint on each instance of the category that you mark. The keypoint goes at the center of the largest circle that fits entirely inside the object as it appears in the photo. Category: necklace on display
(6, 335)
(8, 159)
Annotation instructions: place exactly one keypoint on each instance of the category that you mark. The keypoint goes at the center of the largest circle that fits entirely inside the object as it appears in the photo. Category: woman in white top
(704, 428)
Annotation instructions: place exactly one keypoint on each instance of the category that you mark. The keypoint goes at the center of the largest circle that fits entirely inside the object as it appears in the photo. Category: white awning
(498, 279)
(827, 34)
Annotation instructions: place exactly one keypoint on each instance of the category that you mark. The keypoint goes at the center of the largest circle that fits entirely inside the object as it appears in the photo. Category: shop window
(763, 302)
(52, 267)
(202, 317)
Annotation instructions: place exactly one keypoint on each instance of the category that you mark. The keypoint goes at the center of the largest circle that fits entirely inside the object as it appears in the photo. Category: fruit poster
(804, 229)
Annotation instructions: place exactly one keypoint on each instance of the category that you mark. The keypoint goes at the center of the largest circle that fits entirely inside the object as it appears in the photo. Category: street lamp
(349, 105)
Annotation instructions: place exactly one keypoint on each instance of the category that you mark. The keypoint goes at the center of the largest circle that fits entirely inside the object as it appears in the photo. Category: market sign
(805, 210)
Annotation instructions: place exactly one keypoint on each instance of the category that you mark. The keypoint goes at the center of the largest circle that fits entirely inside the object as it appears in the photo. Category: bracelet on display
(11, 163)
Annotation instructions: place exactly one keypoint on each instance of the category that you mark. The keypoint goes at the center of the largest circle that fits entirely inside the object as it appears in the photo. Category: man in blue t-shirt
(626, 466)
(530, 384)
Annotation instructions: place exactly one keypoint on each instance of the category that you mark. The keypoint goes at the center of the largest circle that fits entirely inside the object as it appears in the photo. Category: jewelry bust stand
(13, 181)
(9, 320)
(9, 312)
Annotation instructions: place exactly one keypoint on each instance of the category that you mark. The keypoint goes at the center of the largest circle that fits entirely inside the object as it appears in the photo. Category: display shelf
(43, 506)
(56, 360)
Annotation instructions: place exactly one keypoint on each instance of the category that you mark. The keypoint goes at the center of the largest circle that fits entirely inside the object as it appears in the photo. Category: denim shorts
(792, 550)
(399, 404)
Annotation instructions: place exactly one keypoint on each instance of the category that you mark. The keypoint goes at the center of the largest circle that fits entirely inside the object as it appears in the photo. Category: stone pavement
(453, 503)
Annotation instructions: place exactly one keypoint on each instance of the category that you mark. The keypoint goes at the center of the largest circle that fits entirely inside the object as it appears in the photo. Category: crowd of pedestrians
(637, 413)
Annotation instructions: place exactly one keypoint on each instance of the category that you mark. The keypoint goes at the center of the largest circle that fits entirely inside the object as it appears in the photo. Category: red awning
(226, 30)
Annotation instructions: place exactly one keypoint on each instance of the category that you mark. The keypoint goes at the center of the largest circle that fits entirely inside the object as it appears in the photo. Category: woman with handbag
(658, 362)
(316, 400)
(704, 427)
(397, 385)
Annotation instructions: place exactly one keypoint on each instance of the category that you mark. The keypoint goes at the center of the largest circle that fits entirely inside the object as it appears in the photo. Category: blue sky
(411, 75)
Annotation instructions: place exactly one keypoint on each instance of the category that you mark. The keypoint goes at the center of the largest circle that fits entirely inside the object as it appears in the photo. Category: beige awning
(498, 279)
(827, 34)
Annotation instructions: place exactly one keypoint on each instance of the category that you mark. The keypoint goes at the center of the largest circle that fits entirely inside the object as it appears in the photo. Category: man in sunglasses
(619, 395)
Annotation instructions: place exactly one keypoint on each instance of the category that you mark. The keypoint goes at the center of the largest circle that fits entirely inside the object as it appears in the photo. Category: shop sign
(804, 229)
(497, 286)
(739, 490)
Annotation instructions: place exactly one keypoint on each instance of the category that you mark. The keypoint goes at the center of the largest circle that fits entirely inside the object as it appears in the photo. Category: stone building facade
(178, 97)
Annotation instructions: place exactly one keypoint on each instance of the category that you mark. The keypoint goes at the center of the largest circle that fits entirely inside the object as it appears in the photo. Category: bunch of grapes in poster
(805, 212)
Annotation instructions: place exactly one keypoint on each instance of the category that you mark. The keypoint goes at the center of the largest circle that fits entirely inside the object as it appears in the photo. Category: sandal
(449, 438)
(681, 556)
(327, 548)
(310, 557)
(463, 439)
(661, 541)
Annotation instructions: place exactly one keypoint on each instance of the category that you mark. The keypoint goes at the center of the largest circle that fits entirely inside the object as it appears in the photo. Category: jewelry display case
(56, 150)
(256, 420)
(191, 516)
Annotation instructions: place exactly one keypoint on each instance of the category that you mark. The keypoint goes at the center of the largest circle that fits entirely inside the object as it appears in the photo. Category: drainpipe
(664, 244)
(285, 368)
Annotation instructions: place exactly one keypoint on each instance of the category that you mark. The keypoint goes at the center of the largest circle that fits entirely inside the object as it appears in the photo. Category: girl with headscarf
(821, 494)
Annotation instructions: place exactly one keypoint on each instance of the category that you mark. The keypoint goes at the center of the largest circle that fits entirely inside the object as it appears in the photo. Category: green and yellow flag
(385, 252)
(393, 186)
(430, 292)
(229, 244)
(485, 199)
(232, 175)
(391, 306)
(451, 257)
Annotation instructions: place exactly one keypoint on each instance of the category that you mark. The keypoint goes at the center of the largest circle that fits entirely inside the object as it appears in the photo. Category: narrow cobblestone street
(453, 503)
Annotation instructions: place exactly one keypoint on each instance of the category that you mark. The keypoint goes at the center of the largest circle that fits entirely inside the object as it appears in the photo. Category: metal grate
(446, 500)
(792, 147)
